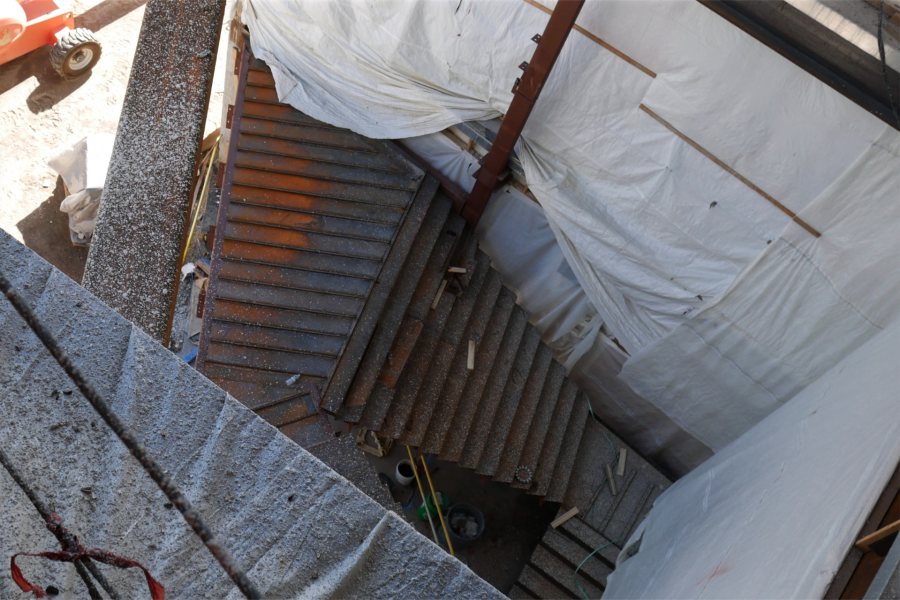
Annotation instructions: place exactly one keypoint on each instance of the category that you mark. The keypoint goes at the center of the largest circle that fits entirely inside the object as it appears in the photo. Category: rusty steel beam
(526, 92)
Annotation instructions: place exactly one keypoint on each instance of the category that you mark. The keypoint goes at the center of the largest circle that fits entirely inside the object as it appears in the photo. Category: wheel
(76, 53)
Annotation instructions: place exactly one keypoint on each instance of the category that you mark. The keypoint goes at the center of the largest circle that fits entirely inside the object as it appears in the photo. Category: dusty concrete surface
(39, 112)
(297, 527)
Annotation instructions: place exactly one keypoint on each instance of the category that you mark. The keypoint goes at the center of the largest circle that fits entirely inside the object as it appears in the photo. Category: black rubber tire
(74, 45)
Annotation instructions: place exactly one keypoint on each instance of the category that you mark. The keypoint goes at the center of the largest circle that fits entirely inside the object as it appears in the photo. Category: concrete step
(590, 539)
(464, 394)
(424, 254)
(518, 593)
(541, 586)
(408, 361)
(552, 457)
(553, 564)
(355, 348)
(541, 459)
(615, 515)
(558, 484)
(573, 551)
(470, 313)
(523, 383)
(562, 574)
(428, 366)
(537, 397)
(377, 405)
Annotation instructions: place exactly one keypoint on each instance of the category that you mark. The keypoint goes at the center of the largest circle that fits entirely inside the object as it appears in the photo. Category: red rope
(78, 552)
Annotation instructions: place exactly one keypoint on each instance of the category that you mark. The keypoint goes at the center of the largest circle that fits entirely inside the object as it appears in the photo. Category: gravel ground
(40, 113)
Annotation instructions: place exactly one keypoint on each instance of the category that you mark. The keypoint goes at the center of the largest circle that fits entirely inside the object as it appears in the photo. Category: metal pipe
(412, 461)
(437, 507)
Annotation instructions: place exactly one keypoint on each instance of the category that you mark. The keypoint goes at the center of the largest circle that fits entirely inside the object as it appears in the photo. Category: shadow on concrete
(106, 12)
(51, 87)
(46, 231)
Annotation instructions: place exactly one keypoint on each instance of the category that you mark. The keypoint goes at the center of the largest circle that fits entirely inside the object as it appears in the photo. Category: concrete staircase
(514, 416)
(345, 283)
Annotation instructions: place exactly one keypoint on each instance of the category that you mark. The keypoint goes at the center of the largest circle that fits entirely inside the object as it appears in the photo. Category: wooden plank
(564, 517)
(864, 543)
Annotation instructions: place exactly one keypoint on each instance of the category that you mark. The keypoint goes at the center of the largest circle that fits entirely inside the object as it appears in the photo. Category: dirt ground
(40, 113)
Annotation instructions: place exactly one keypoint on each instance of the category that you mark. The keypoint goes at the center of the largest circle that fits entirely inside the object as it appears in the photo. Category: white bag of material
(82, 210)
(82, 167)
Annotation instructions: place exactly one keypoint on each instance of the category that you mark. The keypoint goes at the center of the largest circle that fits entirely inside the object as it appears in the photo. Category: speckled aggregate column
(133, 264)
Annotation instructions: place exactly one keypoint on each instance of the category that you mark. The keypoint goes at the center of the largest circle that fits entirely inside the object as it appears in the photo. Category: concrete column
(134, 261)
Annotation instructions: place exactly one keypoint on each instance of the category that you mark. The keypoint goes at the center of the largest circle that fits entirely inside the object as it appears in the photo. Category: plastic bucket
(404, 473)
(465, 523)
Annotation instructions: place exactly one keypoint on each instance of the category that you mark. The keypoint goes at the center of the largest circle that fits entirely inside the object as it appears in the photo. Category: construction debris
(564, 517)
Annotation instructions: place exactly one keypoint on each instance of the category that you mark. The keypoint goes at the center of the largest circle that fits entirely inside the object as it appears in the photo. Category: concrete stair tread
(541, 393)
(563, 574)
(570, 436)
(588, 537)
(597, 567)
(540, 586)
(559, 482)
(465, 404)
(424, 254)
(518, 593)
(469, 315)
(376, 408)
(533, 355)
(543, 461)
(356, 346)
(415, 345)
(428, 365)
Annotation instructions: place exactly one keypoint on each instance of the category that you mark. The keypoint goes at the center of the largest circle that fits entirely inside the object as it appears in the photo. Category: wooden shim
(609, 478)
(864, 543)
(461, 270)
(620, 468)
(809, 228)
(470, 360)
(437, 297)
(606, 45)
(564, 517)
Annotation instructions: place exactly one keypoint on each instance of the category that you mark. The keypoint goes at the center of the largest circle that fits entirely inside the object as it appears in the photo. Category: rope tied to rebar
(150, 466)
(74, 551)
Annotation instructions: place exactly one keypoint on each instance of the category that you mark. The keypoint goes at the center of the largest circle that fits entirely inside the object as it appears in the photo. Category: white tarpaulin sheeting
(773, 514)
(655, 231)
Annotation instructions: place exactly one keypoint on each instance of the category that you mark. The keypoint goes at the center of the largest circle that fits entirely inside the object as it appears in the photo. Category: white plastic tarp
(773, 514)
(654, 230)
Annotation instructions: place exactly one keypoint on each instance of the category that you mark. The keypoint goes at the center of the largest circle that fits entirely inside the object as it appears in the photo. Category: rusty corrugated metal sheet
(307, 217)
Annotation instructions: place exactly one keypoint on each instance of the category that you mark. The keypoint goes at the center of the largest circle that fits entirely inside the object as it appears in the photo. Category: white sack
(773, 514)
(82, 209)
(82, 167)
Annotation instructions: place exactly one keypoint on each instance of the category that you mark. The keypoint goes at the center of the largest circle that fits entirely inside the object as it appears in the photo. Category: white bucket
(404, 472)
